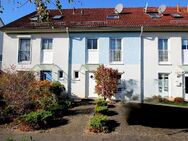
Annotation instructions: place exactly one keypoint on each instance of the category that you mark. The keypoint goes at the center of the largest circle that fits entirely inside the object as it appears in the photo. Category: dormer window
(57, 17)
(154, 14)
(34, 19)
(176, 15)
(112, 17)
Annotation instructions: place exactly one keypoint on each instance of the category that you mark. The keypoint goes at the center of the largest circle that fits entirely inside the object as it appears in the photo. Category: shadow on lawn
(157, 116)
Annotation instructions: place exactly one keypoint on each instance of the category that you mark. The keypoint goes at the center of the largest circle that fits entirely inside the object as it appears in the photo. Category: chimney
(73, 12)
(178, 8)
(82, 12)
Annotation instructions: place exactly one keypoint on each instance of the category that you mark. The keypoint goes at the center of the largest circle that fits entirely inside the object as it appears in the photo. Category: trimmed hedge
(98, 123)
(101, 102)
(101, 109)
(37, 119)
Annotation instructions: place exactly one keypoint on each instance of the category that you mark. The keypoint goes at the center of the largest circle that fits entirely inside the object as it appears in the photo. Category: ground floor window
(186, 84)
(163, 82)
(61, 75)
(46, 75)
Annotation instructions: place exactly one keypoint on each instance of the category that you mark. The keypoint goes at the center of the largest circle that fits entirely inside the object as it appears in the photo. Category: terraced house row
(149, 49)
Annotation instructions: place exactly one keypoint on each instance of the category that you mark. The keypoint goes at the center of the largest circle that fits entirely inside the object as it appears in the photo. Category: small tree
(107, 81)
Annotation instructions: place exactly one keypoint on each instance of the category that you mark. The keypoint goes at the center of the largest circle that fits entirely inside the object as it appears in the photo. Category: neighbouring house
(149, 49)
(1, 43)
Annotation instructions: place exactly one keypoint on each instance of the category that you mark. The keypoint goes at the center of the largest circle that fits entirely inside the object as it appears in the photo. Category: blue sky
(11, 12)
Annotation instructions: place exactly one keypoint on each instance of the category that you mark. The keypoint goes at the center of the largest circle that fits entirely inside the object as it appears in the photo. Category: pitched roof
(96, 18)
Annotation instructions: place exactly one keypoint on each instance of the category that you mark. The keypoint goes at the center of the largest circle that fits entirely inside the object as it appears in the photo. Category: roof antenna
(146, 8)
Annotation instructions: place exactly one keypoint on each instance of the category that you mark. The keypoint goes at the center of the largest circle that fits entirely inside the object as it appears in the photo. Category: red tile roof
(95, 18)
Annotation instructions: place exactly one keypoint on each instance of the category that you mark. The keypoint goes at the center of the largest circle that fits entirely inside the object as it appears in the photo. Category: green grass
(185, 104)
(164, 101)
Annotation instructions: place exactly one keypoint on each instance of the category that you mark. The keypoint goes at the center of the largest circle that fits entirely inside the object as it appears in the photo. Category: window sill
(24, 63)
(165, 63)
(76, 79)
(116, 63)
(61, 79)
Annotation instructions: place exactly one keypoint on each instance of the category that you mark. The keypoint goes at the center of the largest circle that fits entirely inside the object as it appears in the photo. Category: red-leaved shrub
(107, 81)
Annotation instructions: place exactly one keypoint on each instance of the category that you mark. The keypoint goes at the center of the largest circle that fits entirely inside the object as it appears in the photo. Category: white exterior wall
(129, 67)
(129, 72)
(60, 52)
(152, 66)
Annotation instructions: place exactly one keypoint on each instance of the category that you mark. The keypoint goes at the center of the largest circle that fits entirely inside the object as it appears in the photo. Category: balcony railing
(24, 56)
(115, 55)
(163, 55)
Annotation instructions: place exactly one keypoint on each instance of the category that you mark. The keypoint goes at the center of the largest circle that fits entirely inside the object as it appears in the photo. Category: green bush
(56, 88)
(101, 109)
(37, 119)
(65, 101)
(98, 123)
(101, 102)
(55, 108)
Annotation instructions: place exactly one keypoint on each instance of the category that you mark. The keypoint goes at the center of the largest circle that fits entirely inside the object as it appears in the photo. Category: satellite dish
(161, 9)
(118, 8)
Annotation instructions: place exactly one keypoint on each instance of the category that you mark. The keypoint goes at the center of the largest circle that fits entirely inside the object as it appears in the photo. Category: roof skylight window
(57, 17)
(35, 18)
(112, 17)
(154, 15)
(177, 15)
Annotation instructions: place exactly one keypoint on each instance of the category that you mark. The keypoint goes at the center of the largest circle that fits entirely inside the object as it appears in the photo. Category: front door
(163, 85)
(91, 86)
(186, 87)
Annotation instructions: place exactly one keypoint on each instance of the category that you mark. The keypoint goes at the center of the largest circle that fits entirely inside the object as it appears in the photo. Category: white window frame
(60, 78)
(163, 75)
(19, 44)
(92, 49)
(110, 58)
(78, 78)
(48, 44)
(185, 45)
(163, 50)
(186, 49)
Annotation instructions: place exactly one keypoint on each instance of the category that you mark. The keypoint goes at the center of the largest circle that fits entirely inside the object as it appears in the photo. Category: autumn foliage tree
(107, 81)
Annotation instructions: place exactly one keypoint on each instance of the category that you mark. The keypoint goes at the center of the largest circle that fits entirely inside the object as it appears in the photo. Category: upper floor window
(46, 44)
(185, 44)
(92, 44)
(115, 50)
(24, 53)
(163, 50)
(185, 51)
